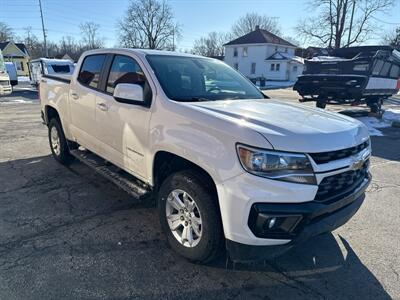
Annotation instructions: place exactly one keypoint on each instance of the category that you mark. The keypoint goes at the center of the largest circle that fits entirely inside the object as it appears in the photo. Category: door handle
(102, 106)
(74, 96)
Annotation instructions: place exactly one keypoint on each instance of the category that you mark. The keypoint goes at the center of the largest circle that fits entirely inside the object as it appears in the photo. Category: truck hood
(290, 127)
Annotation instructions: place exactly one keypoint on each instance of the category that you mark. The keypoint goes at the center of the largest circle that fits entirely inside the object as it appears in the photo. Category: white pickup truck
(228, 167)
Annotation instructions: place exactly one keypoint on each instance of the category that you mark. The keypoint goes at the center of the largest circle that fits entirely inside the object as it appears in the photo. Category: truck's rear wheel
(58, 143)
(190, 217)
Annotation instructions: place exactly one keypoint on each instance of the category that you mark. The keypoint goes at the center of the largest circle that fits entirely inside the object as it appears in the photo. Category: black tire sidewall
(212, 235)
(64, 157)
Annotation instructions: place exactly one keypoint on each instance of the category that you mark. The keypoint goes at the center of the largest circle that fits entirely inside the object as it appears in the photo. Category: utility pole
(44, 31)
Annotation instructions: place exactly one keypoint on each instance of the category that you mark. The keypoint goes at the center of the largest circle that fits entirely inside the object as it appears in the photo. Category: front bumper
(316, 218)
(5, 90)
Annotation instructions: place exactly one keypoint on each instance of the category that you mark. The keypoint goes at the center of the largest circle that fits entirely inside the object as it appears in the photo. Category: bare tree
(149, 24)
(90, 35)
(393, 38)
(212, 44)
(32, 43)
(292, 40)
(248, 23)
(341, 23)
(68, 45)
(6, 33)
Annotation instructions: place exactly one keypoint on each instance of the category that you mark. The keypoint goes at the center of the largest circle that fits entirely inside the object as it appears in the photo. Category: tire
(209, 245)
(320, 104)
(375, 107)
(59, 149)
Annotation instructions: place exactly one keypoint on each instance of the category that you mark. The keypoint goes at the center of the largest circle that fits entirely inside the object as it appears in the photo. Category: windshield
(200, 79)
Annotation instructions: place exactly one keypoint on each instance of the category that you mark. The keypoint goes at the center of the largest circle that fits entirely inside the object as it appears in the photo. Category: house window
(235, 52)
(278, 66)
(294, 68)
(236, 66)
(244, 51)
(272, 67)
(253, 68)
(22, 66)
(286, 49)
(276, 49)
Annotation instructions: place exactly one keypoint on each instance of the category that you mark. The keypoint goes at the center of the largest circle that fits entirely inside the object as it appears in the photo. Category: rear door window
(89, 74)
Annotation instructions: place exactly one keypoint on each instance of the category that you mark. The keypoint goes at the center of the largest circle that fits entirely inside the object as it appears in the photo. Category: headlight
(292, 167)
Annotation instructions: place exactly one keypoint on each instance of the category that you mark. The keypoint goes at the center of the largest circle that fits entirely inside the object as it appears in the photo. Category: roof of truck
(142, 52)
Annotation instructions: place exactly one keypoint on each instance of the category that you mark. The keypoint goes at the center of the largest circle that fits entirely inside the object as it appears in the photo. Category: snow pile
(375, 124)
(18, 101)
(23, 78)
(276, 84)
(328, 58)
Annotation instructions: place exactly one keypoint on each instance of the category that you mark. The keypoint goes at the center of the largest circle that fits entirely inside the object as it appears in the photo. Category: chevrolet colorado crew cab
(228, 167)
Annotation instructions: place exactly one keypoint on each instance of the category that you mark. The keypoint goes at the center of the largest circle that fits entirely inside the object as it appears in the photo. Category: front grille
(325, 157)
(341, 185)
(4, 82)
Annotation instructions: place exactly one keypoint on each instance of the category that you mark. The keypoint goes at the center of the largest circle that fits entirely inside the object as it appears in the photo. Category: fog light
(274, 226)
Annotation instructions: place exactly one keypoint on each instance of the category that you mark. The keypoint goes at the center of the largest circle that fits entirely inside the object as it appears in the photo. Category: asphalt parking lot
(66, 233)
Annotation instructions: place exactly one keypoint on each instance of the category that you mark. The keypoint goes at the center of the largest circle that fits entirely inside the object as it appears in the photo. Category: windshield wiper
(199, 99)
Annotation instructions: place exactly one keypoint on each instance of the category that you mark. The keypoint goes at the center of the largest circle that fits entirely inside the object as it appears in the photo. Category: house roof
(260, 36)
(20, 46)
(278, 56)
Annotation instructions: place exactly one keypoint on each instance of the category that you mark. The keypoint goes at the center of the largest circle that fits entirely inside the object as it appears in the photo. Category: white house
(262, 54)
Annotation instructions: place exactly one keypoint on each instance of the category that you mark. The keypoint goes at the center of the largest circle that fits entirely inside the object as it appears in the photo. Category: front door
(82, 99)
(122, 128)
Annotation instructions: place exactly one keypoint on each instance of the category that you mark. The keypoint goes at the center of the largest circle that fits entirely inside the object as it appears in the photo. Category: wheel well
(51, 113)
(166, 163)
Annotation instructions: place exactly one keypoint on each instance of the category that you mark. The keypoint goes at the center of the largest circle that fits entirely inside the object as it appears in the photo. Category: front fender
(203, 139)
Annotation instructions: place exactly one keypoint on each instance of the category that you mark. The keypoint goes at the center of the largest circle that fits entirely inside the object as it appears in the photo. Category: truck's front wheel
(190, 217)
(58, 142)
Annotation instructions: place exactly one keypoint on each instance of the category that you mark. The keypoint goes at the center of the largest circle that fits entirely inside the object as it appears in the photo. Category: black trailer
(354, 75)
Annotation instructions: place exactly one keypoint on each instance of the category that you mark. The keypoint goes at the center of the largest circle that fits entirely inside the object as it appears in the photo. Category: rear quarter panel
(54, 93)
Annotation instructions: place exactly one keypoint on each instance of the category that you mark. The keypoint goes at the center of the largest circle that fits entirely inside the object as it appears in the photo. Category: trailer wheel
(375, 106)
(320, 104)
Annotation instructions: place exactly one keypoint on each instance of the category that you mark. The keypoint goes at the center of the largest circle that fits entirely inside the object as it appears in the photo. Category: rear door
(122, 128)
(82, 99)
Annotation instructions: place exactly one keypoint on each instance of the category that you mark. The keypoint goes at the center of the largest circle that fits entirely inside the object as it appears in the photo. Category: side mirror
(128, 93)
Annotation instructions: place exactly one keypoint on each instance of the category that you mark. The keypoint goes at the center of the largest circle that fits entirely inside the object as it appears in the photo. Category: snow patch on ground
(375, 124)
(23, 78)
(13, 101)
(277, 84)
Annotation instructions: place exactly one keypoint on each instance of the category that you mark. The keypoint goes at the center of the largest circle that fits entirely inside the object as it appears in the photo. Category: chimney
(257, 27)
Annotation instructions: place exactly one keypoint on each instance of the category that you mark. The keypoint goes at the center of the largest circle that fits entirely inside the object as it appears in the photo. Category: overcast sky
(197, 17)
